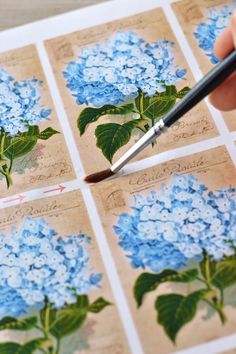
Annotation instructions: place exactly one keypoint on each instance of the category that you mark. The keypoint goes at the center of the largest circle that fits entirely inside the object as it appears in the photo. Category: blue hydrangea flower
(12, 304)
(168, 228)
(115, 70)
(36, 263)
(20, 104)
(207, 32)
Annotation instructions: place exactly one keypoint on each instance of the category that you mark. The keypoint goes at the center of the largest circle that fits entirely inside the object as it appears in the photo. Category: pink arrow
(19, 198)
(60, 188)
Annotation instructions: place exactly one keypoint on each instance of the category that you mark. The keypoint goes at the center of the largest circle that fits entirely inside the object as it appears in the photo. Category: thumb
(227, 40)
(224, 96)
(233, 28)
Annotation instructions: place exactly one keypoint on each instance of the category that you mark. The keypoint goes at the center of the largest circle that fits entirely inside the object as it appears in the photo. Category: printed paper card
(172, 229)
(202, 22)
(117, 80)
(148, 257)
(33, 152)
(55, 296)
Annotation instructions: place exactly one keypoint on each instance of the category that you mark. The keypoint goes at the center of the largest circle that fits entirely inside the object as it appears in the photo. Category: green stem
(58, 347)
(221, 313)
(141, 105)
(3, 137)
(153, 122)
(216, 304)
(47, 317)
(46, 329)
(221, 297)
(10, 167)
(217, 307)
(220, 305)
(207, 272)
(8, 177)
(142, 130)
(5, 171)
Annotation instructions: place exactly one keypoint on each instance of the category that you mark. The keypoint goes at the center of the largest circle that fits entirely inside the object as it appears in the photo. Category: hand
(224, 97)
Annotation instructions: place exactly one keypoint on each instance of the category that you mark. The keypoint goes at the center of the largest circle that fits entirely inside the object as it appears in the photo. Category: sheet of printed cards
(144, 262)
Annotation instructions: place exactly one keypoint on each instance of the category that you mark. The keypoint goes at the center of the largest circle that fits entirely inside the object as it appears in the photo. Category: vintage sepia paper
(170, 215)
(190, 14)
(214, 169)
(101, 333)
(43, 166)
(152, 26)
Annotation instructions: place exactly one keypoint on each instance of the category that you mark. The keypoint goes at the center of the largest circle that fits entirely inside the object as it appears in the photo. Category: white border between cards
(36, 33)
(212, 347)
(73, 21)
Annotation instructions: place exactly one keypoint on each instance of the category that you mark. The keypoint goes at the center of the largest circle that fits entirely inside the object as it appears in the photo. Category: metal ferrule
(147, 139)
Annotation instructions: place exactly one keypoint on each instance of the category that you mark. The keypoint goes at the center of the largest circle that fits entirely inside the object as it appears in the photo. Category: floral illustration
(207, 32)
(48, 276)
(20, 115)
(183, 233)
(124, 76)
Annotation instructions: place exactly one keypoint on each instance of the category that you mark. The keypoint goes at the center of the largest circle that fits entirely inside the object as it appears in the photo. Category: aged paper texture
(190, 14)
(101, 333)
(49, 161)
(152, 26)
(214, 169)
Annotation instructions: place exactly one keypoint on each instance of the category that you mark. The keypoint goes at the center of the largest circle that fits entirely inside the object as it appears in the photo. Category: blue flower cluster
(35, 264)
(207, 32)
(20, 104)
(169, 228)
(115, 70)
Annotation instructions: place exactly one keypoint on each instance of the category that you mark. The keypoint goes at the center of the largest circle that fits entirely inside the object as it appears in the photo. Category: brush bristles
(99, 176)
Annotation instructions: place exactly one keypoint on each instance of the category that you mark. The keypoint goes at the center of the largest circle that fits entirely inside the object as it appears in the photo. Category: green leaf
(47, 133)
(171, 90)
(9, 348)
(147, 282)
(91, 115)
(21, 144)
(161, 103)
(27, 348)
(20, 325)
(182, 93)
(112, 136)
(32, 346)
(221, 274)
(70, 319)
(225, 273)
(98, 305)
(159, 106)
(174, 311)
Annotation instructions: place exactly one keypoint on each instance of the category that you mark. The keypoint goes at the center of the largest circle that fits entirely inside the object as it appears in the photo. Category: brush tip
(99, 176)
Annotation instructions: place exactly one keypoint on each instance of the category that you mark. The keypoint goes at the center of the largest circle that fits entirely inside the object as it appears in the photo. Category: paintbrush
(205, 86)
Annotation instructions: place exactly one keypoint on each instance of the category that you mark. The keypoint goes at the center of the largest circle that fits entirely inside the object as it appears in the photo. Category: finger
(224, 43)
(224, 96)
(233, 29)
